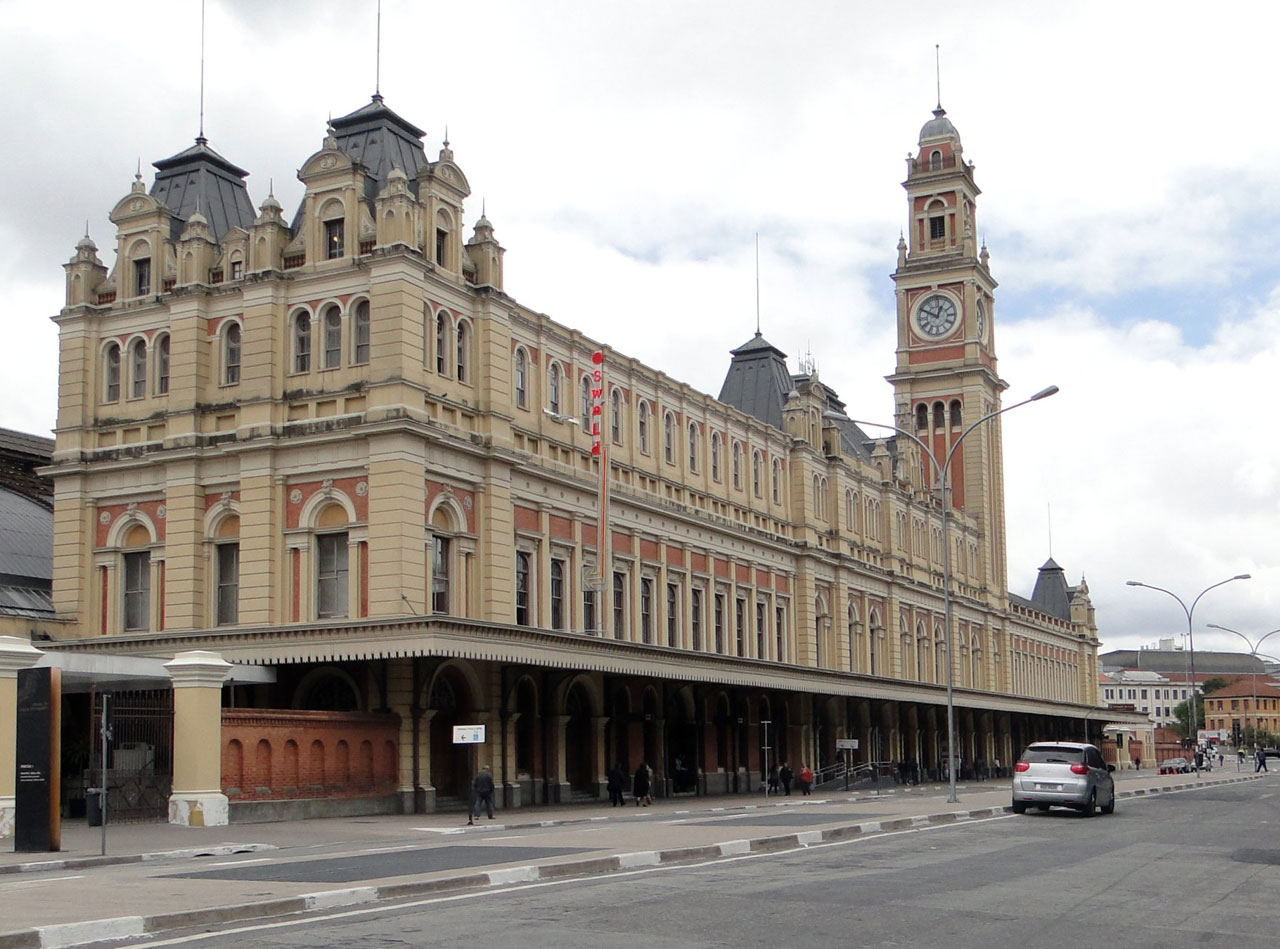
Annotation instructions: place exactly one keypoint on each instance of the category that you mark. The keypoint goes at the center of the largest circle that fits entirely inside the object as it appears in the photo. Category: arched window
(463, 364)
(442, 342)
(848, 509)
(873, 644)
(737, 466)
(557, 594)
(523, 588)
(693, 446)
(162, 364)
(334, 237)
(935, 160)
(615, 416)
(715, 456)
(939, 416)
(521, 379)
(757, 474)
(111, 373)
(939, 656)
(302, 342)
(553, 387)
(588, 402)
(360, 334)
(922, 416)
(669, 438)
(332, 337)
(955, 413)
(231, 354)
(642, 426)
(777, 481)
(137, 369)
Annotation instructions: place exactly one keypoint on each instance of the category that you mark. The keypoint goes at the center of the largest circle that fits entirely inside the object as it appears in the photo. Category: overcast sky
(629, 152)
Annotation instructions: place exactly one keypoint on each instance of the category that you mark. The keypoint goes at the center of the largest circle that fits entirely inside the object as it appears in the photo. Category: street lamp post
(940, 474)
(1191, 644)
(1253, 651)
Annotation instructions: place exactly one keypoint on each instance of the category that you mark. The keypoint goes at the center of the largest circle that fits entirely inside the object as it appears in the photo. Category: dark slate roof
(200, 177)
(1052, 595)
(757, 382)
(1176, 661)
(25, 444)
(23, 600)
(26, 540)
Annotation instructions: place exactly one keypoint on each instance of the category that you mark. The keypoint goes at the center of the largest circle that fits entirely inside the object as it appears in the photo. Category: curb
(64, 935)
(81, 863)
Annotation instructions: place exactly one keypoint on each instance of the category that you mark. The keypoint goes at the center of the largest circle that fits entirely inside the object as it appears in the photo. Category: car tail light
(1079, 768)
(1021, 766)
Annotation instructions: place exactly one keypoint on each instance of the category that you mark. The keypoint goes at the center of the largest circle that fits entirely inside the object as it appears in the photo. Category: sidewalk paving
(151, 865)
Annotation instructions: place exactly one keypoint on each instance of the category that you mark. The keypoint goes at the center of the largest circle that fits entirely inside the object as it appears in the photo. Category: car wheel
(1019, 807)
(1091, 806)
(1110, 806)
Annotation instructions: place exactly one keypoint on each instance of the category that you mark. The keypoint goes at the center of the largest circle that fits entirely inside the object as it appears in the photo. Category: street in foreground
(1195, 867)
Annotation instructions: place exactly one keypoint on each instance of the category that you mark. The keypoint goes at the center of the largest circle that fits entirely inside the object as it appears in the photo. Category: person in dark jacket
(785, 775)
(616, 781)
(640, 785)
(482, 790)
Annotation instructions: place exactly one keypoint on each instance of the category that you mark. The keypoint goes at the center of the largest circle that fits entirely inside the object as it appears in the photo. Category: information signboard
(468, 734)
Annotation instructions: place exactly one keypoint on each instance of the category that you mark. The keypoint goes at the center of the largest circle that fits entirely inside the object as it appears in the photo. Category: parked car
(1175, 766)
(1063, 774)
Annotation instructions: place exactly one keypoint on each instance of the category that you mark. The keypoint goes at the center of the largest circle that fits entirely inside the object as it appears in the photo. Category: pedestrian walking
(806, 779)
(773, 778)
(616, 781)
(640, 785)
(1239, 758)
(785, 775)
(1262, 761)
(482, 793)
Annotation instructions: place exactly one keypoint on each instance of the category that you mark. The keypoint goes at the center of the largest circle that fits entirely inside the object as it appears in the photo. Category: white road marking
(238, 863)
(16, 883)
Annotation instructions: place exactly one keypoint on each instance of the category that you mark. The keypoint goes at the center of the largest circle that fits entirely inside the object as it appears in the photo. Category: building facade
(1151, 693)
(336, 446)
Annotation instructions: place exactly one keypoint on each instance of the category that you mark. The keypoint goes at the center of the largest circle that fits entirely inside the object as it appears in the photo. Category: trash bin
(93, 806)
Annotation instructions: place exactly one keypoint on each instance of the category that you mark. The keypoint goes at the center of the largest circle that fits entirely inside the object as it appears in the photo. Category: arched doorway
(578, 743)
(682, 743)
(450, 763)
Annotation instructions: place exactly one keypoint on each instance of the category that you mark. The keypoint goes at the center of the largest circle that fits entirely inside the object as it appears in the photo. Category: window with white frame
(463, 364)
(646, 609)
(111, 373)
(331, 575)
(162, 364)
(440, 550)
(757, 473)
(615, 417)
(673, 614)
(737, 466)
(521, 378)
(302, 341)
(695, 617)
(553, 387)
(138, 369)
(231, 354)
(332, 337)
(228, 571)
(693, 447)
(524, 588)
(442, 342)
(777, 481)
(669, 438)
(619, 605)
(360, 334)
(142, 276)
(334, 238)
(588, 402)
(715, 456)
(557, 594)
(137, 591)
(642, 426)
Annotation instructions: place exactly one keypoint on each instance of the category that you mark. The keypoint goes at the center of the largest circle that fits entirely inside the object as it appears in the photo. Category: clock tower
(946, 376)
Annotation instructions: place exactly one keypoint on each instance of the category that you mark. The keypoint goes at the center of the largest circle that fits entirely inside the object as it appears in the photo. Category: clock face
(936, 315)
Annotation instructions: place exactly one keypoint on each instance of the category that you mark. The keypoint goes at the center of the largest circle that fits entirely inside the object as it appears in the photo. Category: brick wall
(277, 754)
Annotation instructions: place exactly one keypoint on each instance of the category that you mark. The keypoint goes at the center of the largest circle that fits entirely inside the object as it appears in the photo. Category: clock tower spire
(946, 376)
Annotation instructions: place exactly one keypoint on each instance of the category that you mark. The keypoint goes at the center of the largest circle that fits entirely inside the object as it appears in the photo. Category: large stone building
(334, 445)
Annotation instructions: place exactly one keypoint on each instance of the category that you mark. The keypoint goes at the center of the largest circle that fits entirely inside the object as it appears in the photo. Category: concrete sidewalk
(151, 867)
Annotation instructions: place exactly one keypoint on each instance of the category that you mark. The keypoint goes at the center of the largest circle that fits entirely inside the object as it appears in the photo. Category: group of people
(782, 777)
(641, 785)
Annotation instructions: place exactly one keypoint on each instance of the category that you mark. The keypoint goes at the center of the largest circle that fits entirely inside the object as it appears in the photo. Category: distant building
(1151, 693)
(26, 536)
(1250, 702)
(1176, 663)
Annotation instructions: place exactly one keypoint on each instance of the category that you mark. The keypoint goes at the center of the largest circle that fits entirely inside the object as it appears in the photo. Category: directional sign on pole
(468, 734)
(850, 744)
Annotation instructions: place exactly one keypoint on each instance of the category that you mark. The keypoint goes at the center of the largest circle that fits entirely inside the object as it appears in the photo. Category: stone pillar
(15, 654)
(197, 799)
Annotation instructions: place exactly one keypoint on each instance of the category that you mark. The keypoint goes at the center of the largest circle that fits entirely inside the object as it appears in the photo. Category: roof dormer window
(142, 277)
(333, 239)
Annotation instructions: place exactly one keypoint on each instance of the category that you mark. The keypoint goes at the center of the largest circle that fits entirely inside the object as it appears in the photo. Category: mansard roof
(380, 140)
(201, 178)
(758, 381)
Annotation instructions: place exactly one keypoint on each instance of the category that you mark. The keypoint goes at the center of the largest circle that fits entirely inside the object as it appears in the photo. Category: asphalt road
(1199, 867)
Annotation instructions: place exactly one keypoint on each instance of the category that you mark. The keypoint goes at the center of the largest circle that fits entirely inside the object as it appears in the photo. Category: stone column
(197, 799)
(15, 654)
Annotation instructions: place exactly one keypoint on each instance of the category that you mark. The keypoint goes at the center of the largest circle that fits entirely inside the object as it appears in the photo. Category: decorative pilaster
(197, 799)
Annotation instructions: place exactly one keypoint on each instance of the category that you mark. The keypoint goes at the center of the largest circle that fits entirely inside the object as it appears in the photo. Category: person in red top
(806, 779)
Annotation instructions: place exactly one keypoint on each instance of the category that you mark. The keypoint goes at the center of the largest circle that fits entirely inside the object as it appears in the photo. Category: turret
(85, 273)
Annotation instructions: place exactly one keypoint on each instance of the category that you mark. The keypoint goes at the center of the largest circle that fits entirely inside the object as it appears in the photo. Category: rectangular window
(232, 374)
(228, 584)
(332, 339)
(780, 628)
(362, 333)
(1144, 693)
(138, 370)
(442, 245)
(522, 588)
(588, 609)
(619, 605)
(646, 610)
(162, 366)
(112, 389)
(937, 228)
(673, 614)
(740, 626)
(142, 277)
(331, 576)
(440, 575)
(695, 618)
(333, 239)
(237, 269)
(719, 623)
(762, 628)
(557, 594)
(137, 591)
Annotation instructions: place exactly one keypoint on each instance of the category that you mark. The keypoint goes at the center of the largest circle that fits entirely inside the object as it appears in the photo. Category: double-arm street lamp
(940, 482)
(1191, 644)
(1253, 651)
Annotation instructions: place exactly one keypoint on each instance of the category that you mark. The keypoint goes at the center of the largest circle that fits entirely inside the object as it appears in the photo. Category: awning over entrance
(82, 671)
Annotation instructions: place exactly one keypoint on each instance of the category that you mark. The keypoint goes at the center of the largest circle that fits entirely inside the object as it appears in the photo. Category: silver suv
(1063, 774)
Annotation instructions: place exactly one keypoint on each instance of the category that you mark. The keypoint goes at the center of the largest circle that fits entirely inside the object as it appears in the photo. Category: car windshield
(1048, 754)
